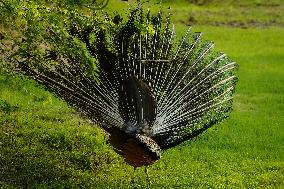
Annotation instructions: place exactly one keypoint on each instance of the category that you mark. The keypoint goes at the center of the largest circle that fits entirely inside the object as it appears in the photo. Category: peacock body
(153, 90)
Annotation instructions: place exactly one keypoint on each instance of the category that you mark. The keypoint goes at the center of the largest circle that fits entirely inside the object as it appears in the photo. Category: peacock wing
(137, 105)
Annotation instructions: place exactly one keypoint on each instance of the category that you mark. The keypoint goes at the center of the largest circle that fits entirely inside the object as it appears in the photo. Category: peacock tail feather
(152, 92)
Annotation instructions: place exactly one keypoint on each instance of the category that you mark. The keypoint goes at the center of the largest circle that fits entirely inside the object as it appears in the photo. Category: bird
(151, 91)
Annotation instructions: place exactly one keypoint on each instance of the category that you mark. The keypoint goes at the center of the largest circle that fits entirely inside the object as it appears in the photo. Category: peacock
(153, 90)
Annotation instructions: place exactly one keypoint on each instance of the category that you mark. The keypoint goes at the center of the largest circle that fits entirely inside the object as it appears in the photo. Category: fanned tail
(150, 83)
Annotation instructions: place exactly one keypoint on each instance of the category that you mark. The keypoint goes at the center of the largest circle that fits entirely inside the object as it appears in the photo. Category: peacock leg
(133, 176)
(147, 174)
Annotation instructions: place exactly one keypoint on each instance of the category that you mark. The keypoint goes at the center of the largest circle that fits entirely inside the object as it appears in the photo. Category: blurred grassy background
(45, 144)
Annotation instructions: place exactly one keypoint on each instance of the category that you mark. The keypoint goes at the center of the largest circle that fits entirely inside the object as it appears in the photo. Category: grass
(231, 14)
(45, 144)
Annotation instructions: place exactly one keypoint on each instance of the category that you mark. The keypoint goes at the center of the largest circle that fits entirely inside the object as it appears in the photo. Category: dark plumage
(153, 91)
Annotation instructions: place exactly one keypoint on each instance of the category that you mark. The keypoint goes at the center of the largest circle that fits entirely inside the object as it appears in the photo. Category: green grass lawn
(45, 144)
